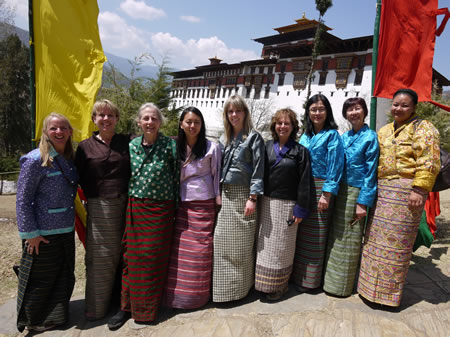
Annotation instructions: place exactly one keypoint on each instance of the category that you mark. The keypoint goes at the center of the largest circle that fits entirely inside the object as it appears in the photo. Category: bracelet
(252, 199)
(418, 191)
(325, 197)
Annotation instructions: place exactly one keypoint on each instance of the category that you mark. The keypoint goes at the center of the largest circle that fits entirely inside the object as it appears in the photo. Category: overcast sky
(190, 32)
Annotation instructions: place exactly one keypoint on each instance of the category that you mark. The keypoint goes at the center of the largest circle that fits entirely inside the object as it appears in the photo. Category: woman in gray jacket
(242, 181)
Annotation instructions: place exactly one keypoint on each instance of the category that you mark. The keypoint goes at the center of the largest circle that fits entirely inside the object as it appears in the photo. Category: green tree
(322, 6)
(15, 124)
(130, 93)
(437, 116)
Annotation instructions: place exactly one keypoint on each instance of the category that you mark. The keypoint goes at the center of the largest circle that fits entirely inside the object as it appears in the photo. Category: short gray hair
(152, 106)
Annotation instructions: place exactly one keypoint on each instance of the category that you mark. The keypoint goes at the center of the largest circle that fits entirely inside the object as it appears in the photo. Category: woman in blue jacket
(327, 162)
(356, 193)
(46, 191)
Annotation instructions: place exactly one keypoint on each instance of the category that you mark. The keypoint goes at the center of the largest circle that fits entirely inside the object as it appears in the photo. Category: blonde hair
(102, 104)
(45, 145)
(238, 103)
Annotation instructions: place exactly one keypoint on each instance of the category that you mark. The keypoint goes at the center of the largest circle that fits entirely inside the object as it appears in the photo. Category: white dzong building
(278, 80)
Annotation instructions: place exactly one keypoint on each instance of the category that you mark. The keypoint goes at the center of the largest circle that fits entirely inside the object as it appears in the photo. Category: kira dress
(327, 163)
(287, 191)
(104, 171)
(190, 268)
(359, 185)
(153, 194)
(409, 156)
(45, 207)
(234, 236)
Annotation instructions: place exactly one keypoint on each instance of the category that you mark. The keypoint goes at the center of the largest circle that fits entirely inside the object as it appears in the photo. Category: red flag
(406, 47)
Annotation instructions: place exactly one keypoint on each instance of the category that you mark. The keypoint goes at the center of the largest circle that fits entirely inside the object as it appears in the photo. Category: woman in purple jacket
(46, 191)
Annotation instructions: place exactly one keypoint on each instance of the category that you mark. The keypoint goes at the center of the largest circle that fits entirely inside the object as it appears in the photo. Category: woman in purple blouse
(189, 276)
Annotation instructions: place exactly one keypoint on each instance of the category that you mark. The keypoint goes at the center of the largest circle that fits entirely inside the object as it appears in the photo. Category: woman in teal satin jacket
(327, 162)
(356, 193)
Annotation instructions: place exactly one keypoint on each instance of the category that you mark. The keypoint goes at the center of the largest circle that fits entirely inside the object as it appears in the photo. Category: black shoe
(118, 320)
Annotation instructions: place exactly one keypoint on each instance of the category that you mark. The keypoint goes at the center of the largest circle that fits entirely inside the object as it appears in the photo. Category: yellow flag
(68, 61)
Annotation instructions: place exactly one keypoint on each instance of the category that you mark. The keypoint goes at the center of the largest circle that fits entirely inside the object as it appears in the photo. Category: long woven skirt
(276, 245)
(189, 276)
(344, 244)
(147, 238)
(105, 226)
(311, 244)
(389, 239)
(234, 238)
(46, 282)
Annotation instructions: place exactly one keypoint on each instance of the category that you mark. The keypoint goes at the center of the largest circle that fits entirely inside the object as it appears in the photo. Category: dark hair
(294, 121)
(329, 120)
(411, 93)
(350, 102)
(199, 149)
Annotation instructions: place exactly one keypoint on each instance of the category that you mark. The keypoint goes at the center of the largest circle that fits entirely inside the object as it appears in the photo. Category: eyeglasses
(317, 110)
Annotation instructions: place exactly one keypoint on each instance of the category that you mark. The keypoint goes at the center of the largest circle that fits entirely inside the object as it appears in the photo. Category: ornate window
(299, 81)
(343, 63)
(341, 79)
(258, 81)
(300, 66)
(230, 81)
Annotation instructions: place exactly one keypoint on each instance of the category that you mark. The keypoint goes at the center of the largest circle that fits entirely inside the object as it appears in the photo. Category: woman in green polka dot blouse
(153, 192)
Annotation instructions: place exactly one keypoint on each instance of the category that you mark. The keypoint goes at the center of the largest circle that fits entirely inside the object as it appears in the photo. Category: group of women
(176, 222)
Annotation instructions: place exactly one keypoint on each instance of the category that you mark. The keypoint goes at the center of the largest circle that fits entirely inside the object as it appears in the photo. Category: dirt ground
(8, 206)
(10, 250)
(10, 247)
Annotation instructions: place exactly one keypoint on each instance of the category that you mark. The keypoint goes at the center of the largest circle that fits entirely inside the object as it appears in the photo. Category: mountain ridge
(120, 63)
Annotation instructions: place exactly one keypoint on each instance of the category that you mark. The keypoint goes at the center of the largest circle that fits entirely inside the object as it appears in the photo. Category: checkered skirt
(276, 245)
(234, 237)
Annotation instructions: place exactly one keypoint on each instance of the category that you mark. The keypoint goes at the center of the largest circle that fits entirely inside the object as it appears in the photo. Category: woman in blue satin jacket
(356, 193)
(327, 163)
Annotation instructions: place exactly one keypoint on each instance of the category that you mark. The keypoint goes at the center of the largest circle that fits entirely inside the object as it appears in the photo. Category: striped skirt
(147, 238)
(276, 245)
(105, 226)
(234, 238)
(388, 243)
(189, 276)
(46, 282)
(344, 244)
(311, 244)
